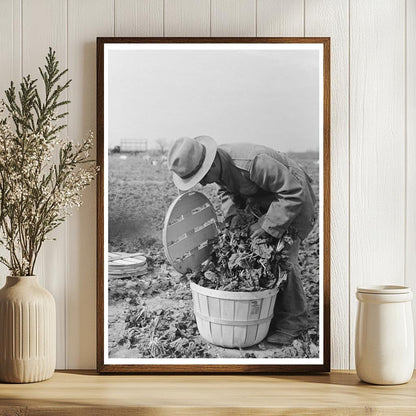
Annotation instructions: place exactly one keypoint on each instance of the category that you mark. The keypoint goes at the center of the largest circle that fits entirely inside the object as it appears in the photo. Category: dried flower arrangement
(42, 176)
(241, 263)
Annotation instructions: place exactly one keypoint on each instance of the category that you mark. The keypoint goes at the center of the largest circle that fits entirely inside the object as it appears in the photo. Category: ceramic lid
(384, 289)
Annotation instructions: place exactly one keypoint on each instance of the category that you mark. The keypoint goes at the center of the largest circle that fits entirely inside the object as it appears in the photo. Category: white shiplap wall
(373, 132)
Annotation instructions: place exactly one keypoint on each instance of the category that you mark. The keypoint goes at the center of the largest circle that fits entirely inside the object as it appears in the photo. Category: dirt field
(151, 316)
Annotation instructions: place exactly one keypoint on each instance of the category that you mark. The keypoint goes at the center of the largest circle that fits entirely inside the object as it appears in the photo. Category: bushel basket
(233, 319)
(227, 319)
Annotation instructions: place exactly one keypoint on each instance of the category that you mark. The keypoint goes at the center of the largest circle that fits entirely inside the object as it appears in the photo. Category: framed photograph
(213, 239)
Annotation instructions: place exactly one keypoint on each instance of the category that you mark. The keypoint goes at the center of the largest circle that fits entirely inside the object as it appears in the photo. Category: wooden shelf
(86, 393)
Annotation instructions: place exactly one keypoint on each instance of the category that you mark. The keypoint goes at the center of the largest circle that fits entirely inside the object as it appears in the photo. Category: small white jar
(384, 337)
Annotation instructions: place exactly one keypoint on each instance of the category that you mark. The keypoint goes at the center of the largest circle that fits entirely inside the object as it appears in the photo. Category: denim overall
(282, 192)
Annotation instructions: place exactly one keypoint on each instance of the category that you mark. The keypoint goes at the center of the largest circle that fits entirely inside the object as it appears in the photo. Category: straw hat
(190, 160)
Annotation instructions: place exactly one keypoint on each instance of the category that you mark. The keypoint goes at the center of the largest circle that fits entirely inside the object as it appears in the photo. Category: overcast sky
(269, 97)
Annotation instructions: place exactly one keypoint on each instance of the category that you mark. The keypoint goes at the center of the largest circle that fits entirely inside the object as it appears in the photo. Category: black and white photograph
(213, 203)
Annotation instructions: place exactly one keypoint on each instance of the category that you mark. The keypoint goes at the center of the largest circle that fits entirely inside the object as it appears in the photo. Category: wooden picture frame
(106, 364)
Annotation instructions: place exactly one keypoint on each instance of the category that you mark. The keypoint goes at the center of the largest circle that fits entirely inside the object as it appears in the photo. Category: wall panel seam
(349, 186)
(13, 33)
(304, 18)
(66, 222)
(210, 18)
(405, 146)
(21, 40)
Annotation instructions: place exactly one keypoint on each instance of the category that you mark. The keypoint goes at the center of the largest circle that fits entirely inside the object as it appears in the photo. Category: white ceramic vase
(384, 340)
(27, 331)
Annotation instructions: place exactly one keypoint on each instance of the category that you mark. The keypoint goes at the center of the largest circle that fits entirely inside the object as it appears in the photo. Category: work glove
(256, 231)
(232, 221)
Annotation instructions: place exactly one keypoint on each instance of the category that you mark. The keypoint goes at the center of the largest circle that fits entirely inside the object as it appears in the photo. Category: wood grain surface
(280, 18)
(85, 393)
(36, 40)
(331, 18)
(187, 18)
(410, 261)
(233, 18)
(10, 66)
(138, 17)
(85, 19)
(377, 148)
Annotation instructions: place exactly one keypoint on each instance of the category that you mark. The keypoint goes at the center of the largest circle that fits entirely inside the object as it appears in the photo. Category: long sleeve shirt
(276, 184)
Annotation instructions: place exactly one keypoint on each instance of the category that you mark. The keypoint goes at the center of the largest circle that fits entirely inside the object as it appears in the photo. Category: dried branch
(41, 176)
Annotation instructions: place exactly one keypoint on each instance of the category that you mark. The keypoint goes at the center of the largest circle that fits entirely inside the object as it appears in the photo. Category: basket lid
(126, 263)
(189, 231)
